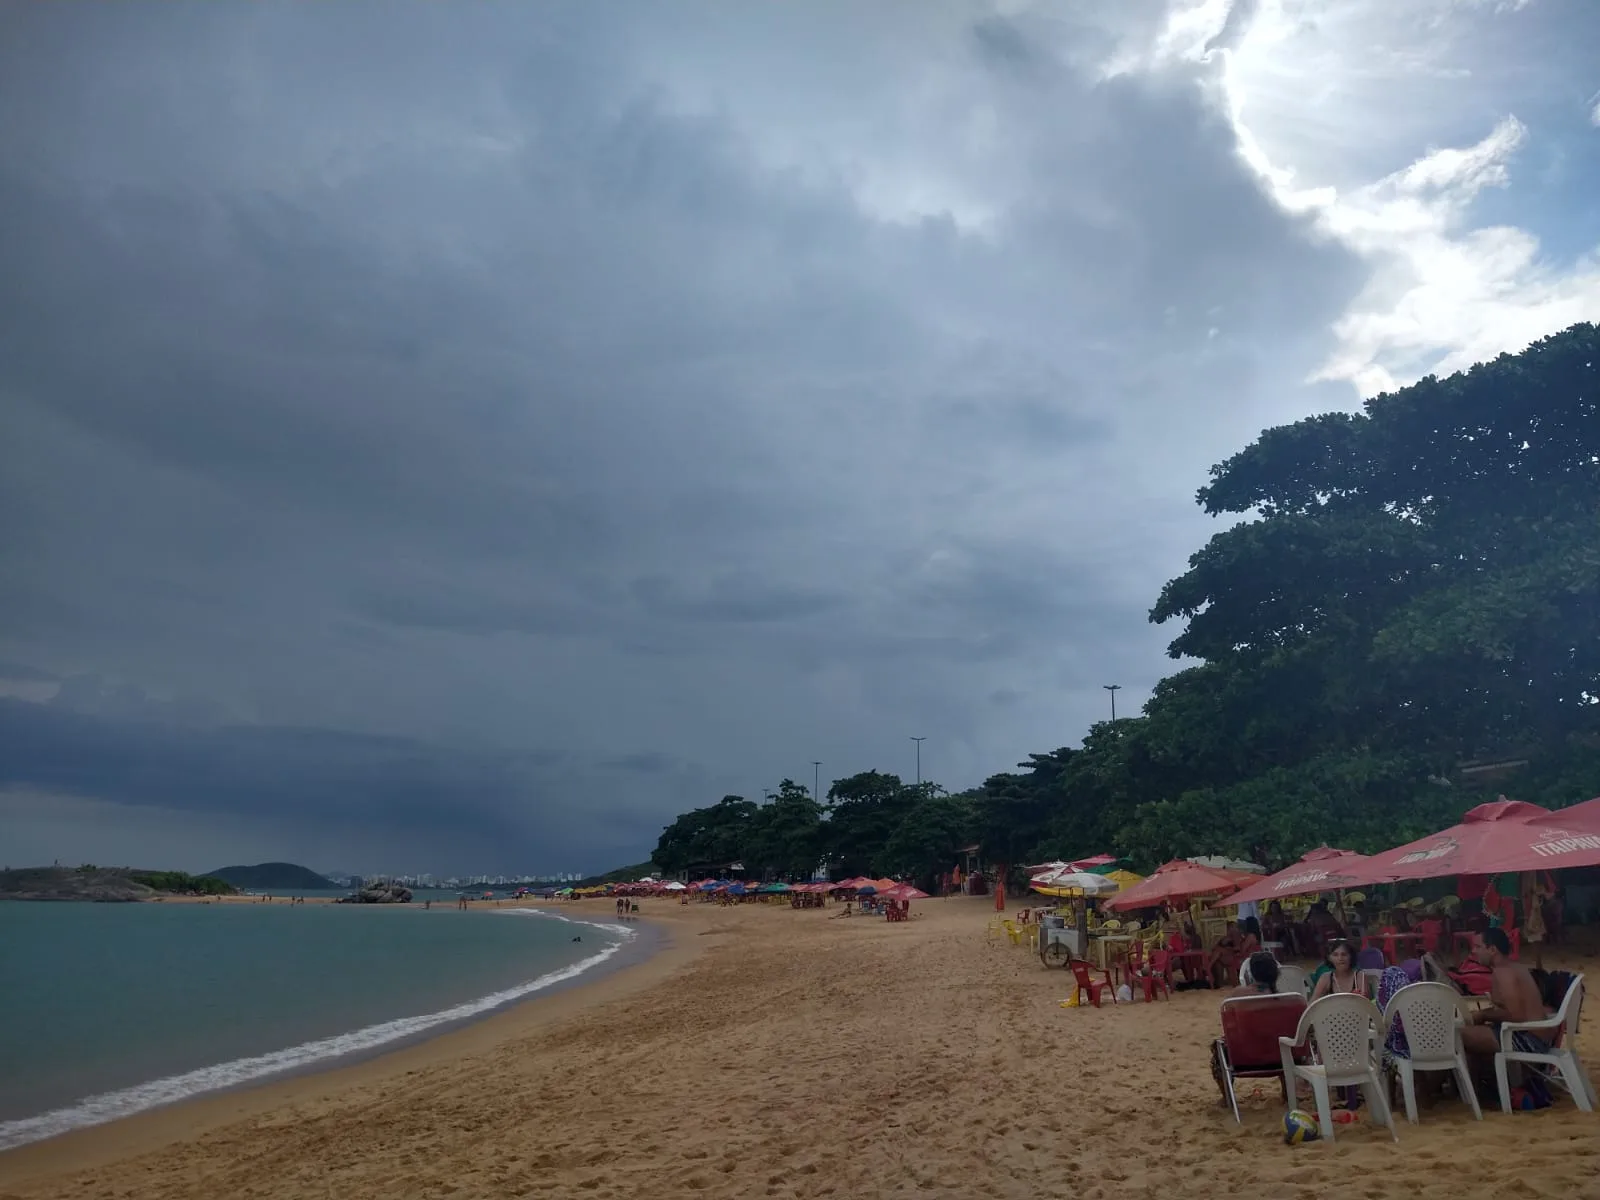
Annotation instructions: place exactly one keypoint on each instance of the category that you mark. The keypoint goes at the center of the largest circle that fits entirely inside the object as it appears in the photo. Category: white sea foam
(124, 1103)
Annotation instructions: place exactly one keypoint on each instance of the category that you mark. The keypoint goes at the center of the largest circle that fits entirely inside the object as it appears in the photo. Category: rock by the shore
(106, 885)
(391, 893)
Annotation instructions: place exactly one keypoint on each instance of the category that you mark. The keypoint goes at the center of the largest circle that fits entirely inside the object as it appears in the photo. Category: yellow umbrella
(1124, 879)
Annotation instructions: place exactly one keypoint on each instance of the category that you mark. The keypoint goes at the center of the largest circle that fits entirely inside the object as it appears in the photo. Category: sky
(462, 437)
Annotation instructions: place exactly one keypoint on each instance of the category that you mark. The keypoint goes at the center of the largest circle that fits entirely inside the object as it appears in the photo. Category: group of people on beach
(626, 907)
(1516, 994)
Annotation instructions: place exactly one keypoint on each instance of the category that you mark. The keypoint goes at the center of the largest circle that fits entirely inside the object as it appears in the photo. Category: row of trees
(183, 883)
(1401, 594)
(872, 823)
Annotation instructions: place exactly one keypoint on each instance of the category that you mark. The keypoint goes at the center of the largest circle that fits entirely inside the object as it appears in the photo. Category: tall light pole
(919, 741)
(1113, 688)
(816, 778)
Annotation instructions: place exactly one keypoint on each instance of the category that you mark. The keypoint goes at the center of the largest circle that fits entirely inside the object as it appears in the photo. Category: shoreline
(650, 952)
(785, 1055)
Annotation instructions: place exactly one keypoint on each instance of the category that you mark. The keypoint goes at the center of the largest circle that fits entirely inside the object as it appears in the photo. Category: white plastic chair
(1432, 1015)
(1562, 1028)
(1346, 1032)
(1293, 980)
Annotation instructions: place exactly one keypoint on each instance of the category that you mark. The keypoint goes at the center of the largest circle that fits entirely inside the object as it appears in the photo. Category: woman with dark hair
(1262, 972)
(1339, 973)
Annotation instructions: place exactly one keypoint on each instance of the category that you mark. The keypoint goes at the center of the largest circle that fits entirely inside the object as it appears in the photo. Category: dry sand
(777, 1053)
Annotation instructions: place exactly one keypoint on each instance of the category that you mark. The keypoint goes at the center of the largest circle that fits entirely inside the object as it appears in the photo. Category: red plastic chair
(1248, 1047)
(1080, 971)
(1159, 975)
(1130, 964)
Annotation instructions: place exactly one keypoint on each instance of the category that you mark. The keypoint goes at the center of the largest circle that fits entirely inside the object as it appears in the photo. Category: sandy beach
(773, 1053)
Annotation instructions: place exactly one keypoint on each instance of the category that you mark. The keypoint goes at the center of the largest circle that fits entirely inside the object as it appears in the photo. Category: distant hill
(621, 875)
(275, 876)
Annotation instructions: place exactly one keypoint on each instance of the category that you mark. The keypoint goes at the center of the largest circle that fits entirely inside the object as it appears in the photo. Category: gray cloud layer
(509, 427)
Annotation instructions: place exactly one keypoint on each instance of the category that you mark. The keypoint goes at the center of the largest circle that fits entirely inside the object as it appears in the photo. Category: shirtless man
(1514, 996)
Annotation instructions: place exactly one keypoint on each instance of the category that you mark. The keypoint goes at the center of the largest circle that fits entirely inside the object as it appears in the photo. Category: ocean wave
(111, 1106)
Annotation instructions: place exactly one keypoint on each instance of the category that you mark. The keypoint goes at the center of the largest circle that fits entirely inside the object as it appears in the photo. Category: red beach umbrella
(1176, 881)
(904, 891)
(1496, 838)
(1586, 814)
(1321, 870)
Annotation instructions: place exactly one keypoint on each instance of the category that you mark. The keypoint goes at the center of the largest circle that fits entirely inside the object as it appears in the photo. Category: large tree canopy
(1408, 590)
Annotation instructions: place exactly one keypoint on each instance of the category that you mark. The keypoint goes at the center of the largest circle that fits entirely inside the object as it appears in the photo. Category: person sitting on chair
(1223, 962)
(1339, 973)
(1262, 972)
(1514, 997)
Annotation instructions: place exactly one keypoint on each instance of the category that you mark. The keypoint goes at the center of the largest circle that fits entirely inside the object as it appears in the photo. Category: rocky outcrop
(386, 893)
(103, 884)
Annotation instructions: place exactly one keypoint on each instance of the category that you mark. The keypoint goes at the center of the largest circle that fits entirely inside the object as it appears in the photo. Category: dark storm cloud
(296, 773)
(410, 399)
(646, 762)
(21, 671)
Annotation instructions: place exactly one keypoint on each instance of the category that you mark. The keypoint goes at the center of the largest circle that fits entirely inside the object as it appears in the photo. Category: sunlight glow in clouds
(1444, 291)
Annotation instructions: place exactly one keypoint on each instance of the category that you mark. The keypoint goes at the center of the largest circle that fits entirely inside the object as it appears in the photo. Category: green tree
(1420, 585)
(864, 811)
(784, 837)
(928, 836)
(709, 836)
(1013, 812)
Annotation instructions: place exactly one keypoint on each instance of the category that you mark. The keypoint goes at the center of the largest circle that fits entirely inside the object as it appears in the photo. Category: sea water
(107, 1009)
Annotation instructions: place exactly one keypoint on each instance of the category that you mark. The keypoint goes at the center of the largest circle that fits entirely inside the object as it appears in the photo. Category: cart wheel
(1056, 954)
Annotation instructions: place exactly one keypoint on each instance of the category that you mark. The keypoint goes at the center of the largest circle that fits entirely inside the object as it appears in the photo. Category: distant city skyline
(429, 879)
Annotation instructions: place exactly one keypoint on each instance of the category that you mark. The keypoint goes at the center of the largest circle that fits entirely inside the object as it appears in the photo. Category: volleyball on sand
(1300, 1127)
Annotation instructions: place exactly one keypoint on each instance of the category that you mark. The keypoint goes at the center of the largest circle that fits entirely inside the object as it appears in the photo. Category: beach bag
(1124, 994)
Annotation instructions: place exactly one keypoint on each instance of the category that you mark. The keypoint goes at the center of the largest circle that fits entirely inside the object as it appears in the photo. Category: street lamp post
(816, 778)
(1113, 688)
(919, 741)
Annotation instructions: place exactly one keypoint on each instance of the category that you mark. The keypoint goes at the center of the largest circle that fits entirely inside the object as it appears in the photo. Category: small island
(105, 885)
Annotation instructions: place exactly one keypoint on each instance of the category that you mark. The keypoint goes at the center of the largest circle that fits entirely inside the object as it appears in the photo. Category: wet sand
(769, 1052)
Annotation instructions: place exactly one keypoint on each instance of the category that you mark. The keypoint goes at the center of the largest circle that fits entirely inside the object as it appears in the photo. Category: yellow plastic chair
(1111, 926)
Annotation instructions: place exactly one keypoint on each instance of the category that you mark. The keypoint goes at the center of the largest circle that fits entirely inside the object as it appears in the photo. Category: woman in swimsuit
(1341, 975)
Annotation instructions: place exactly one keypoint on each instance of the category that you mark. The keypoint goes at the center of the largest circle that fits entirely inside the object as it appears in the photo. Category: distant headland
(105, 884)
(274, 877)
(124, 884)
